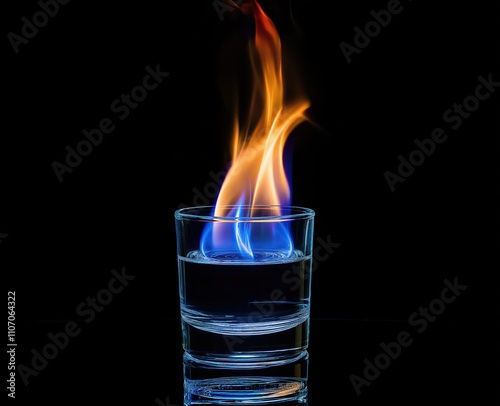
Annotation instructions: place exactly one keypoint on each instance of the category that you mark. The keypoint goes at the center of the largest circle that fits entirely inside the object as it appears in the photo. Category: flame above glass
(257, 178)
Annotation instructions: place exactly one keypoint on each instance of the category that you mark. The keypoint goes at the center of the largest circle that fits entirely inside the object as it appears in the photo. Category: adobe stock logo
(160, 402)
(392, 350)
(293, 279)
(223, 6)
(122, 107)
(58, 341)
(203, 197)
(454, 117)
(363, 37)
(30, 27)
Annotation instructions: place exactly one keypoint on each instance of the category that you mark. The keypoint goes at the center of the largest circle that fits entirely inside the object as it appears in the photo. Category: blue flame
(240, 236)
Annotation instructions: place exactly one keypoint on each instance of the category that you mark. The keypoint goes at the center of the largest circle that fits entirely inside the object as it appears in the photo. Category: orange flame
(257, 174)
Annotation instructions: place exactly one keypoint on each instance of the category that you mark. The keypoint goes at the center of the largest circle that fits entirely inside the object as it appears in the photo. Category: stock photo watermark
(203, 196)
(167, 402)
(11, 343)
(363, 36)
(294, 278)
(30, 26)
(122, 108)
(222, 7)
(419, 320)
(454, 117)
(88, 310)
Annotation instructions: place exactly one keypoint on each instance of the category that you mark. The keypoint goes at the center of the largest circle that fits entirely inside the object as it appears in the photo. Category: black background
(116, 208)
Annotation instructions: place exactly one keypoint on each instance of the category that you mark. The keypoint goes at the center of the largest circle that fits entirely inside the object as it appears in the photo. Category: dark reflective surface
(123, 362)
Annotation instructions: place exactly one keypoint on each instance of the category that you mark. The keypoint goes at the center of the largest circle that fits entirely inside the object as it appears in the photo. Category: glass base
(225, 349)
(255, 383)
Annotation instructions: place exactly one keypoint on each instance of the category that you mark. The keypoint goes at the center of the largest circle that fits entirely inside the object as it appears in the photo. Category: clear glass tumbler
(245, 289)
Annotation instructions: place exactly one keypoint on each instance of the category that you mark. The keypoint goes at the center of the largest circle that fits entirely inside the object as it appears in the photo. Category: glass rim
(298, 213)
